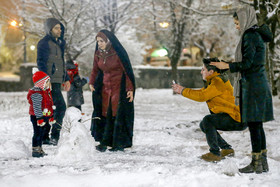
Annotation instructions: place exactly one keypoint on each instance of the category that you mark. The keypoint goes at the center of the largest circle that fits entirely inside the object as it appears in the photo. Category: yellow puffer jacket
(218, 94)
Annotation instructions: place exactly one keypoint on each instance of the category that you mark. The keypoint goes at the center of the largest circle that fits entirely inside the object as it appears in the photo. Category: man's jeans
(222, 121)
(59, 112)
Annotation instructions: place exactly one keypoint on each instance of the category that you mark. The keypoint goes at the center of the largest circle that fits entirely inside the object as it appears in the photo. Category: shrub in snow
(76, 142)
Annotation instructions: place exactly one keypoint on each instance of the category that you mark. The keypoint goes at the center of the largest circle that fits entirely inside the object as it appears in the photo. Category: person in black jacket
(252, 90)
(50, 59)
(75, 96)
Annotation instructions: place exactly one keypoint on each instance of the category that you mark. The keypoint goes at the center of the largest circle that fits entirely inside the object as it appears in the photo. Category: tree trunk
(174, 70)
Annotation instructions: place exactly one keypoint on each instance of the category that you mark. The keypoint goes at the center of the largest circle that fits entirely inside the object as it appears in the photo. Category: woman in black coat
(252, 90)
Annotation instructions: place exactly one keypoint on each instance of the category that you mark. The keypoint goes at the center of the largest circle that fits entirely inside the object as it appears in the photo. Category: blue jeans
(221, 121)
(59, 112)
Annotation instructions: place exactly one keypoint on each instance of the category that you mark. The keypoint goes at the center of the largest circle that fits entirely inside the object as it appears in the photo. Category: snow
(167, 146)
(165, 68)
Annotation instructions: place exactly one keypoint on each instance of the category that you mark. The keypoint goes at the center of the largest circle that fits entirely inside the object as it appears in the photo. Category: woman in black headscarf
(252, 90)
(112, 84)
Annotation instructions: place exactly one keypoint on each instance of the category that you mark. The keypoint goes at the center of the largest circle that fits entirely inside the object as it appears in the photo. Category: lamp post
(24, 32)
(15, 24)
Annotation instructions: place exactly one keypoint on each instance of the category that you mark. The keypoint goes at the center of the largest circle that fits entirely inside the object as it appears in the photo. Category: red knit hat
(39, 79)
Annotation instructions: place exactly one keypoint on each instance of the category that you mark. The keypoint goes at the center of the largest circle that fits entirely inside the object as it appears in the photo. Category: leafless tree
(113, 14)
(79, 21)
(268, 12)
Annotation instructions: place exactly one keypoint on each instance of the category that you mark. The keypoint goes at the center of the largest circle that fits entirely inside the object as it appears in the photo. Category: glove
(52, 121)
(41, 122)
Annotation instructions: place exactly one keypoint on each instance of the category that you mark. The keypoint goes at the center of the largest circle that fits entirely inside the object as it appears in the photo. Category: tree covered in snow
(82, 20)
(113, 14)
(188, 23)
(207, 25)
(268, 12)
(76, 16)
(79, 20)
(171, 35)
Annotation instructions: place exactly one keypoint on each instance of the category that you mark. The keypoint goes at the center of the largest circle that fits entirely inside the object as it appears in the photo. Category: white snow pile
(230, 167)
(76, 142)
(15, 149)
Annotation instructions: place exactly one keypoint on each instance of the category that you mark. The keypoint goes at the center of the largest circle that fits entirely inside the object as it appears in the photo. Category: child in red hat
(40, 110)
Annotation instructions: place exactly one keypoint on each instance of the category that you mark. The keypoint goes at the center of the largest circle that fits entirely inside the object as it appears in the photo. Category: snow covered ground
(167, 146)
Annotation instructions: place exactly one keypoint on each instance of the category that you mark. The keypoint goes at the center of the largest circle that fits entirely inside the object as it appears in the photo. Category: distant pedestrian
(40, 110)
(50, 59)
(75, 96)
(252, 90)
(113, 88)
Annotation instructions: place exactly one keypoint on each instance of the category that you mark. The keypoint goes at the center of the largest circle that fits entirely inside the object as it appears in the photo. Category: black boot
(264, 160)
(36, 152)
(254, 166)
(114, 149)
(46, 141)
(101, 148)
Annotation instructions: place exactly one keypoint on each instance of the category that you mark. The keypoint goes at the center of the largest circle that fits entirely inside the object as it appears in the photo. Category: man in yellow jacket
(225, 115)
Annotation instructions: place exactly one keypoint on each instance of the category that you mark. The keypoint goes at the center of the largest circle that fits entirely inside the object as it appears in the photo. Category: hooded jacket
(50, 53)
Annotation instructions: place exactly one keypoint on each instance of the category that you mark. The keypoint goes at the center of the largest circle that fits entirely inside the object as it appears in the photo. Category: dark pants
(59, 112)
(258, 140)
(222, 121)
(38, 132)
(107, 138)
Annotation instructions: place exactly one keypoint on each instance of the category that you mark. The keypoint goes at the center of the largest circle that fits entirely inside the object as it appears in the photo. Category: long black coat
(256, 99)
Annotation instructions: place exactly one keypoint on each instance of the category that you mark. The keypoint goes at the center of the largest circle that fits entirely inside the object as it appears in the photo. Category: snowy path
(167, 144)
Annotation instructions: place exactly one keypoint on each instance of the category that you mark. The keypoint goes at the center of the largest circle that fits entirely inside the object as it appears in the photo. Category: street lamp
(164, 24)
(13, 23)
(24, 32)
(32, 47)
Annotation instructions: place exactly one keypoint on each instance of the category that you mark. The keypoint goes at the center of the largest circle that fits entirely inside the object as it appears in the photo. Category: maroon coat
(111, 66)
